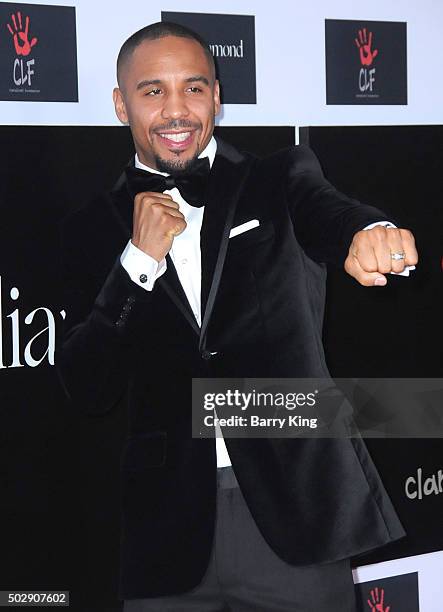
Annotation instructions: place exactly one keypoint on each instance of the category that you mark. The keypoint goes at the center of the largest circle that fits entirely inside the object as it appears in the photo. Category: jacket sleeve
(324, 219)
(102, 316)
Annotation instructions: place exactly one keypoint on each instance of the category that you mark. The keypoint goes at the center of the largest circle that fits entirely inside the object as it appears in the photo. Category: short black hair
(161, 29)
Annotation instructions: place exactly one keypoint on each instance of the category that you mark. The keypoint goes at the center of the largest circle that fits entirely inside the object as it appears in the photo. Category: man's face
(169, 96)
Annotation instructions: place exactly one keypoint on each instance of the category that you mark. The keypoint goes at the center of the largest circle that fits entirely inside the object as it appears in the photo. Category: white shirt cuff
(384, 223)
(407, 269)
(143, 269)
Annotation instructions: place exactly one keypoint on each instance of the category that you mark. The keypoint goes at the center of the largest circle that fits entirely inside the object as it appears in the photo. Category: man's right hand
(157, 221)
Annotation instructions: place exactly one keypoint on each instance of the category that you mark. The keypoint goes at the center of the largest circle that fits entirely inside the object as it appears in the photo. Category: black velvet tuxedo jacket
(314, 500)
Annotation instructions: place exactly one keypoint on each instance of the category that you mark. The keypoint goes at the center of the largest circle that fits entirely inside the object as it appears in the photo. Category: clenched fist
(157, 220)
(378, 251)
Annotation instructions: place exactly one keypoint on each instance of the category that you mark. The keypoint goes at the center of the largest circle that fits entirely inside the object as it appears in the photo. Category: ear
(119, 105)
(216, 97)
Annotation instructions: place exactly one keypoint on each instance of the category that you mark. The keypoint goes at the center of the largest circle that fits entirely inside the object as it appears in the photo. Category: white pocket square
(244, 227)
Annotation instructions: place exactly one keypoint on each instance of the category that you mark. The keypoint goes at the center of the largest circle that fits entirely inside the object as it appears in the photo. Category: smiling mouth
(177, 142)
(176, 136)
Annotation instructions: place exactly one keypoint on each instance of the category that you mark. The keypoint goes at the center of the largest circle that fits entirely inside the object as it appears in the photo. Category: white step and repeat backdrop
(290, 90)
(290, 61)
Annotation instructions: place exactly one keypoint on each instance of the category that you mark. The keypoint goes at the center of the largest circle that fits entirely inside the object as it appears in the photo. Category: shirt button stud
(143, 278)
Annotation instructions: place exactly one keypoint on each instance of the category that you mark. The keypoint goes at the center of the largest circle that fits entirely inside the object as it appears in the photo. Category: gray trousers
(245, 575)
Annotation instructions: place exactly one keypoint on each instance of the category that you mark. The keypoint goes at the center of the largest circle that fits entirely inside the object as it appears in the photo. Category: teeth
(180, 137)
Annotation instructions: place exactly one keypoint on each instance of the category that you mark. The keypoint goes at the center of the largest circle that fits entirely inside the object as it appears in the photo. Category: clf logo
(22, 71)
(366, 77)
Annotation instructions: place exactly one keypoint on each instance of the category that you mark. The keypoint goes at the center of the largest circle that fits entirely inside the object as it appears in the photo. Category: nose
(175, 106)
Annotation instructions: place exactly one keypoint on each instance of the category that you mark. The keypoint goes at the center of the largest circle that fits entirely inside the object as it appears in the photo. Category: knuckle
(144, 202)
(359, 237)
(384, 268)
(349, 265)
(380, 233)
(369, 266)
(143, 195)
(398, 266)
(405, 232)
(407, 235)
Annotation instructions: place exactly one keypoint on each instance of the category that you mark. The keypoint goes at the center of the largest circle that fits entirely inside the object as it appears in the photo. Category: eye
(153, 92)
(194, 89)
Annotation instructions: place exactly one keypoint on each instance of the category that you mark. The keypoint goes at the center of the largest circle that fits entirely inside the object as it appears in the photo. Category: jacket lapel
(173, 287)
(228, 175)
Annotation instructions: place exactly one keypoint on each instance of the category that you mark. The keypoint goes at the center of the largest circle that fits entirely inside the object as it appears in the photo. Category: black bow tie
(191, 185)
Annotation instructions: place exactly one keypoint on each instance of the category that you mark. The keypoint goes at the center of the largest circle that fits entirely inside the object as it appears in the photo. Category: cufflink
(143, 278)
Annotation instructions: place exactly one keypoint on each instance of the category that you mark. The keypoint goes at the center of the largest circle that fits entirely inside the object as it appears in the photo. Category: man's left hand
(378, 251)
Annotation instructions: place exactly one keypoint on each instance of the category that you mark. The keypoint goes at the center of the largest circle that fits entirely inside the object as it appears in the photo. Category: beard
(176, 167)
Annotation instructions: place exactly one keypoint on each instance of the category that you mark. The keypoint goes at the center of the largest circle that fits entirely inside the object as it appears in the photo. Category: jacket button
(207, 355)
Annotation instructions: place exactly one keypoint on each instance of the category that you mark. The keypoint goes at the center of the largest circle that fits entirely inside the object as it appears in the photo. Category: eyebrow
(148, 83)
(197, 79)
(191, 79)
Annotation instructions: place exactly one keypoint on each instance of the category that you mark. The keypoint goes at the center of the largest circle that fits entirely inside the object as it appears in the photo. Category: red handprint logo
(364, 43)
(20, 35)
(377, 603)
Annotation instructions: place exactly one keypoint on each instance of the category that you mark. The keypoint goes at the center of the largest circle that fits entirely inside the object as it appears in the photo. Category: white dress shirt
(186, 256)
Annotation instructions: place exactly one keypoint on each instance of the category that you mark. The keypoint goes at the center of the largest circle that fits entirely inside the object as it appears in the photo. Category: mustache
(175, 124)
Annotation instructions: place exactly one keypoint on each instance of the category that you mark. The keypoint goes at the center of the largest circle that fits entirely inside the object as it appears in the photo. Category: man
(166, 283)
